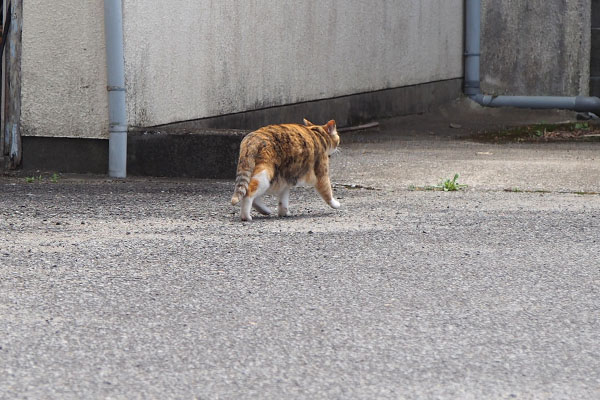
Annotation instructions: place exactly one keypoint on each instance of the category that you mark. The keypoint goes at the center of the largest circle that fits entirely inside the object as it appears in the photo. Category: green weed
(448, 185)
(451, 185)
(40, 178)
(32, 179)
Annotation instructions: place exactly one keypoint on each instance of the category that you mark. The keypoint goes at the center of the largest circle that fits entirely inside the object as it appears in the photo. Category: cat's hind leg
(246, 207)
(284, 202)
(258, 185)
(259, 206)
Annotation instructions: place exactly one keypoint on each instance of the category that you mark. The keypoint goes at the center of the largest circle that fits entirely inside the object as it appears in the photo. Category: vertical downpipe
(115, 62)
(472, 75)
(472, 47)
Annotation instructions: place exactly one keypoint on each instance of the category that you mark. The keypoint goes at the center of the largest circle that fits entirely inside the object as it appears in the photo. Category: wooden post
(12, 124)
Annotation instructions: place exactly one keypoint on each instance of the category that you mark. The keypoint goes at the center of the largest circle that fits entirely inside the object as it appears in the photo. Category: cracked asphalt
(152, 288)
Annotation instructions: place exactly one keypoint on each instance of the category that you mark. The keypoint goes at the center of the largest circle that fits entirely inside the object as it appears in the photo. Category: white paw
(334, 203)
(246, 217)
(283, 212)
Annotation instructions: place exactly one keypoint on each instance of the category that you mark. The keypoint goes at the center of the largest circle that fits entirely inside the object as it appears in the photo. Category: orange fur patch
(252, 187)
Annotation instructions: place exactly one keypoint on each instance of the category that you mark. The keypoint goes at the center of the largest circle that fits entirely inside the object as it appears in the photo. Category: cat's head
(331, 129)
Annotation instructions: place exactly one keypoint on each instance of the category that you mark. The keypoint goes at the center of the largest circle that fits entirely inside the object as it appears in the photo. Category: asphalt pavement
(153, 288)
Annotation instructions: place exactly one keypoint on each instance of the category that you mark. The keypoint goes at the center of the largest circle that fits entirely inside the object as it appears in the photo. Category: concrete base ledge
(208, 148)
(205, 154)
(53, 154)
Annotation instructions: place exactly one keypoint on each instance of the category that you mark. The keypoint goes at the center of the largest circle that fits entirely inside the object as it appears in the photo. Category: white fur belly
(279, 185)
(303, 183)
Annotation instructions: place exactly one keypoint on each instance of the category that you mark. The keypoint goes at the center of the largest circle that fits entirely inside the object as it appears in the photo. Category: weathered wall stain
(535, 47)
(207, 58)
(64, 69)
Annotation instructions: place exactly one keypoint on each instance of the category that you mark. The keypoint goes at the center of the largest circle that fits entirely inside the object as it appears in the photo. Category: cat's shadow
(293, 217)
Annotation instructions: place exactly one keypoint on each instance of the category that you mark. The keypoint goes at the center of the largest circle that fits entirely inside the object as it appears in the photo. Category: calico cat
(275, 158)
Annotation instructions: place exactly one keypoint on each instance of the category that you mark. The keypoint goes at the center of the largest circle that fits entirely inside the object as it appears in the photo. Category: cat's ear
(307, 122)
(331, 128)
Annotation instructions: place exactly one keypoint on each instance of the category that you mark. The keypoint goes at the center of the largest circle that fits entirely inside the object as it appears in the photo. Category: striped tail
(244, 173)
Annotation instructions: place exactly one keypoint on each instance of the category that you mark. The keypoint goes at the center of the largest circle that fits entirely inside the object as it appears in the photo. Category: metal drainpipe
(472, 78)
(115, 65)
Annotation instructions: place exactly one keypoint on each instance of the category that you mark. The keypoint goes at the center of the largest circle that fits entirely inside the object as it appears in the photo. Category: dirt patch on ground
(580, 131)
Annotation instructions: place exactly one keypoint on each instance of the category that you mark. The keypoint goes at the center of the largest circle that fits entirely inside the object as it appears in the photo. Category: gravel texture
(153, 288)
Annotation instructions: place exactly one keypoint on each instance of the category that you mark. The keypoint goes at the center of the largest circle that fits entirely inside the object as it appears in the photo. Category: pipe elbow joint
(481, 99)
(587, 104)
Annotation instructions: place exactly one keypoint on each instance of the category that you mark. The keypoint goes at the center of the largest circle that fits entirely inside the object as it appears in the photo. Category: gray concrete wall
(63, 69)
(190, 59)
(595, 55)
(536, 47)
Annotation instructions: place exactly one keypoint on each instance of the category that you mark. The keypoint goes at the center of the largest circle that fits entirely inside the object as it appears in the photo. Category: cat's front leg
(323, 186)
(284, 200)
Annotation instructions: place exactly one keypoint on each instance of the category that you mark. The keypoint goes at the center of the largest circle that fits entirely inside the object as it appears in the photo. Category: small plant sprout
(451, 185)
(54, 178)
(30, 179)
(448, 185)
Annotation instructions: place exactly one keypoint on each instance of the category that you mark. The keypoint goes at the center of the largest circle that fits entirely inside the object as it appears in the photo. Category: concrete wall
(64, 69)
(595, 55)
(189, 59)
(535, 47)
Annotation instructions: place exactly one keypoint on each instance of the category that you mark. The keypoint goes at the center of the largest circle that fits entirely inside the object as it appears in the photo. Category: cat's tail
(244, 173)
